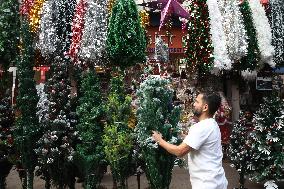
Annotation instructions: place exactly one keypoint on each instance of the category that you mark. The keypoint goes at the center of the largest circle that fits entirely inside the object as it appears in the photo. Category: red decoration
(77, 29)
(42, 70)
(25, 7)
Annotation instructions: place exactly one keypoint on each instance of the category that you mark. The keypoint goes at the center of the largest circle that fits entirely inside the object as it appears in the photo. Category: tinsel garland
(48, 39)
(94, 37)
(198, 41)
(110, 5)
(276, 18)
(234, 29)
(161, 50)
(77, 29)
(144, 18)
(26, 7)
(249, 75)
(34, 15)
(251, 60)
(263, 32)
(221, 57)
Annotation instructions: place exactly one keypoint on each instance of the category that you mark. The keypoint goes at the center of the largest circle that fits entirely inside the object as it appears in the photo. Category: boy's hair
(211, 98)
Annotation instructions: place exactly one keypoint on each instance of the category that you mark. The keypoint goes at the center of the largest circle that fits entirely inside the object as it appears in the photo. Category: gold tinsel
(34, 15)
(132, 119)
(110, 5)
(144, 18)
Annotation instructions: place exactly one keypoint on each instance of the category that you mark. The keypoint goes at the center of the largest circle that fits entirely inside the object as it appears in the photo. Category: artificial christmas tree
(267, 140)
(118, 141)
(90, 153)
(239, 150)
(27, 130)
(56, 146)
(156, 113)
(6, 140)
(126, 43)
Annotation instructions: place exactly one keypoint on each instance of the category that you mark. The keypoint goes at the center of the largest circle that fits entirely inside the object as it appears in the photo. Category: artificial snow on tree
(156, 113)
(250, 61)
(239, 150)
(56, 146)
(118, 140)
(126, 40)
(267, 140)
(90, 156)
(6, 140)
(198, 41)
(93, 44)
(9, 35)
(27, 130)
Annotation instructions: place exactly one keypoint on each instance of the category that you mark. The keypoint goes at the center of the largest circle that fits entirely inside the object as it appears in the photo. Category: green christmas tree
(126, 42)
(267, 141)
(9, 38)
(90, 152)
(6, 140)
(27, 130)
(118, 141)
(239, 150)
(156, 113)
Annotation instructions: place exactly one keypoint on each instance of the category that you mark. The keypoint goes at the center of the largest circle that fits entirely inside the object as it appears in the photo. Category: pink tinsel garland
(26, 7)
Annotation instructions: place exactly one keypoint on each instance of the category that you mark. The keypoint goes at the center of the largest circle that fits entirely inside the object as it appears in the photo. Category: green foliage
(90, 111)
(126, 43)
(27, 130)
(156, 112)
(118, 141)
(239, 148)
(267, 140)
(9, 31)
(253, 56)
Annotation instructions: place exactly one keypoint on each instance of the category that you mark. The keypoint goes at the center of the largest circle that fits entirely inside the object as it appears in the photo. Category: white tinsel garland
(221, 57)
(161, 50)
(95, 32)
(42, 105)
(48, 39)
(249, 75)
(277, 26)
(234, 29)
(263, 32)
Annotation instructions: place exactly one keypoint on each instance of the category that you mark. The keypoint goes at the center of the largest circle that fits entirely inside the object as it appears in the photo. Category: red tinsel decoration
(25, 7)
(77, 29)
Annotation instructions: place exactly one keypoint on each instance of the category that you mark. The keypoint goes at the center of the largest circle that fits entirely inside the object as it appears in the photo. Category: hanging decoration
(34, 15)
(263, 32)
(26, 7)
(77, 29)
(276, 18)
(249, 75)
(221, 57)
(48, 39)
(94, 37)
(250, 61)
(235, 32)
(110, 5)
(161, 50)
(144, 17)
(198, 41)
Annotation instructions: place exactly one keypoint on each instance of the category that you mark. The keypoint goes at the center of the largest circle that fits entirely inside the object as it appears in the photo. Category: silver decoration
(161, 50)
(94, 37)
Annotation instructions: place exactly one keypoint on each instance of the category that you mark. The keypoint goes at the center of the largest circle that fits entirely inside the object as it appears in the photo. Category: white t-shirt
(205, 160)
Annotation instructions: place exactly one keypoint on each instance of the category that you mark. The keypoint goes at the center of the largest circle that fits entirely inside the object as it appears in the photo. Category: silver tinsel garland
(94, 37)
(161, 50)
(276, 18)
(234, 29)
(48, 39)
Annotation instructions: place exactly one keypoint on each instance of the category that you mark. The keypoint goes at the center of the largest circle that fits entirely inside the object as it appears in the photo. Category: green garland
(126, 43)
(252, 58)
